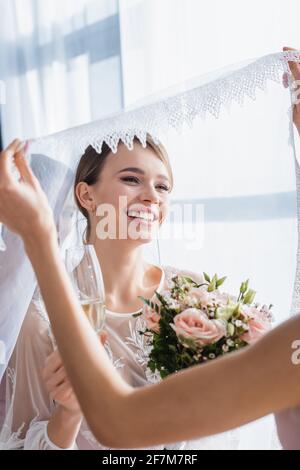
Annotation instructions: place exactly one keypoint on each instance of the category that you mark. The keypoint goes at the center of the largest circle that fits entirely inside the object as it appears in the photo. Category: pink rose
(152, 319)
(193, 324)
(258, 326)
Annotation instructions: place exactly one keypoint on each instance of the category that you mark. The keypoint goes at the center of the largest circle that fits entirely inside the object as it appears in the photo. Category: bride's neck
(123, 267)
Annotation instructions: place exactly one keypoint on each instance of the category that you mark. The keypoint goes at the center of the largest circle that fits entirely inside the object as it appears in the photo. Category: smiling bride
(143, 179)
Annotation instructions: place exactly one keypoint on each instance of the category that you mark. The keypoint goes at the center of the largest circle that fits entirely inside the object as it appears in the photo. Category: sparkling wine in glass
(83, 267)
(2, 244)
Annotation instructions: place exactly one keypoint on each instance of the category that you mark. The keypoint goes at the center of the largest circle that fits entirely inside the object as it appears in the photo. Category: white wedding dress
(28, 406)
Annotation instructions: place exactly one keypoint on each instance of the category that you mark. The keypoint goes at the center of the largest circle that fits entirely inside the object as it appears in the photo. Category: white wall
(168, 41)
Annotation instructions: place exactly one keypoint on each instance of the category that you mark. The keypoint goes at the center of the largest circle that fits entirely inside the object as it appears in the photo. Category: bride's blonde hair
(92, 163)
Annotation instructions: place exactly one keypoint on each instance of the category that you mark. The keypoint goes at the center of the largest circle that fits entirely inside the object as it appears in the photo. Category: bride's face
(132, 194)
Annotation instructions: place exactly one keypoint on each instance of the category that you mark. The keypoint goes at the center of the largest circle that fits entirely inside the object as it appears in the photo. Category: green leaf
(190, 343)
(230, 329)
(146, 301)
(163, 374)
(244, 287)
(206, 277)
(221, 281)
(136, 315)
(213, 284)
(161, 299)
(237, 310)
(249, 296)
(189, 280)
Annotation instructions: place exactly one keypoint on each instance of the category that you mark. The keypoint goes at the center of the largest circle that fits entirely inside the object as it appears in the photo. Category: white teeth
(141, 215)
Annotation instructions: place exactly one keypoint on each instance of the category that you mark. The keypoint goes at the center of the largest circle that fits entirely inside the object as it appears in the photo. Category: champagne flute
(2, 244)
(85, 273)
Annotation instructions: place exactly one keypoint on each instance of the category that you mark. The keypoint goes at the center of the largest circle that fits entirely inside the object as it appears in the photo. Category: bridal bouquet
(193, 323)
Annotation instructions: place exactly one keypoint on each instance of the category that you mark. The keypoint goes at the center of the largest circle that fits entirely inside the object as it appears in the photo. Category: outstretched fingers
(5, 157)
(23, 167)
(294, 66)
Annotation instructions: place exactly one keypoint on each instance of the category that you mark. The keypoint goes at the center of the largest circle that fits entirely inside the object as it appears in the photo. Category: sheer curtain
(165, 42)
(60, 63)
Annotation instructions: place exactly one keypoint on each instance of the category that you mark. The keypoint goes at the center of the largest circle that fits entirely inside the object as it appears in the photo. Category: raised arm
(204, 400)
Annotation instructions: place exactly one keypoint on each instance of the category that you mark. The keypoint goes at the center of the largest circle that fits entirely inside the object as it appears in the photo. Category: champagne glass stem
(2, 244)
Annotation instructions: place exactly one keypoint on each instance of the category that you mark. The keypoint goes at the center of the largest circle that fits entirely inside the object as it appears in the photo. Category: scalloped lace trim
(172, 112)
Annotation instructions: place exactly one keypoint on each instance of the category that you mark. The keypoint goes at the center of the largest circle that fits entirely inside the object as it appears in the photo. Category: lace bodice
(28, 405)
